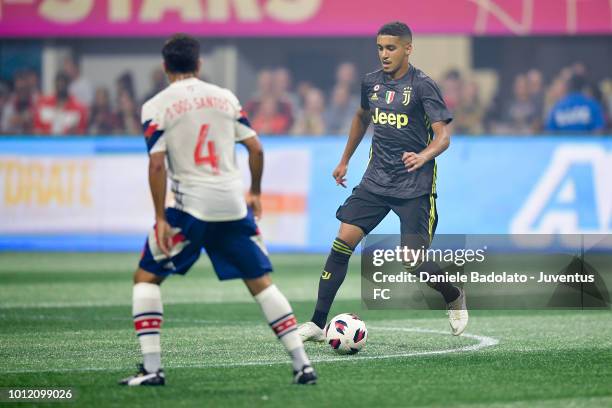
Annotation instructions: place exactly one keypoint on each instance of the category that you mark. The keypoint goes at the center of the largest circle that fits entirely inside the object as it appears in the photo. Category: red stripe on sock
(284, 325)
(148, 323)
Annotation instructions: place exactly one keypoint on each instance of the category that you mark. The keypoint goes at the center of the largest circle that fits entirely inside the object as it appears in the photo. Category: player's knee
(142, 276)
(351, 235)
(257, 285)
(341, 251)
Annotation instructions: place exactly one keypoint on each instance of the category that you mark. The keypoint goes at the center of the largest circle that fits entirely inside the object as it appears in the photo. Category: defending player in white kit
(194, 126)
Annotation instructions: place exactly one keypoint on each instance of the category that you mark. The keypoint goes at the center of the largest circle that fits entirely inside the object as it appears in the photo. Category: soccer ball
(346, 333)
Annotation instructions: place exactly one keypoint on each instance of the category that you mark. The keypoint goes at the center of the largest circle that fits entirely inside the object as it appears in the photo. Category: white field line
(482, 343)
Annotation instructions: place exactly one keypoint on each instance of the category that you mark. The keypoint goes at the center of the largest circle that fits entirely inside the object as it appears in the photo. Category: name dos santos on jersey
(399, 120)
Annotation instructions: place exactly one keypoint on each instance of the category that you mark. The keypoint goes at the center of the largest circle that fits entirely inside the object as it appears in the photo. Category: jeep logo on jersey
(573, 196)
(399, 120)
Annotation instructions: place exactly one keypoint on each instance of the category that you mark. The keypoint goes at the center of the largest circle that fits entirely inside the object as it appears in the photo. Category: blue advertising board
(486, 185)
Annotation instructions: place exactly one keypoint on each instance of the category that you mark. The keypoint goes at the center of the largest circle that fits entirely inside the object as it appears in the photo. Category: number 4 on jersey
(208, 156)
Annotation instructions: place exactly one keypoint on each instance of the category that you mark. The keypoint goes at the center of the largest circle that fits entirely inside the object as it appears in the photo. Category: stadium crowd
(568, 102)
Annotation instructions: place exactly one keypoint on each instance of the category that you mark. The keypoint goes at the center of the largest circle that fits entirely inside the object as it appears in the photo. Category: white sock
(280, 316)
(147, 311)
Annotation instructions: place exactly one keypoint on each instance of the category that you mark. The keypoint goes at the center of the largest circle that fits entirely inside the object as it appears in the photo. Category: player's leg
(236, 250)
(361, 213)
(280, 317)
(334, 272)
(458, 314)
(147, 306)
(147, 313)
(419, 219)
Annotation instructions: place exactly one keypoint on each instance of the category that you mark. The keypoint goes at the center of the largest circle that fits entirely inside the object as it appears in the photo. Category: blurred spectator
(281, 106)
(566, 73)
(268, 119)
(158, 83)
(18, 116)
(128, 117)
(451, 88)
(4, 101)
(535, 87)
(281, 89)
(346, 75)
(493, 113)
(339, 116)
(31, 77)
(125, 82)
(592, 91)
(576, 112)
(578, 68)
(311, 121)
(264, 90)
(302, 89)
(606, 89)
(80, 87)
(554, 93)
(60, 113)
(103, 120)
(270, 109)
(469, 113)
(521, 113)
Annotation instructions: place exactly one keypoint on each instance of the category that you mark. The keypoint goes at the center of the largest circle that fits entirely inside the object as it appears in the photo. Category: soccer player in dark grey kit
(410, 129)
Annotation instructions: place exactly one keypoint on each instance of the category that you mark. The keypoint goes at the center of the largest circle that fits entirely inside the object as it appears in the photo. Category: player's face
(393, 52)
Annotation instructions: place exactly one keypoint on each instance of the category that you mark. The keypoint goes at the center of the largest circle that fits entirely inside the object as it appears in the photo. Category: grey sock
(152, 362)
(299, 358)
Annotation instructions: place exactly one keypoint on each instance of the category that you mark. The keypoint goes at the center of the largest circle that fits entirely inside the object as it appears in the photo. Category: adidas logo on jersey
(399, 120)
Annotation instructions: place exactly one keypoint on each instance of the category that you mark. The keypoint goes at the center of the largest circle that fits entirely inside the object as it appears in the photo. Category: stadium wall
(91, 194)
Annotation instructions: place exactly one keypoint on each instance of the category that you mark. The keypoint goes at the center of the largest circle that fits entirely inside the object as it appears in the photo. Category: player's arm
(439, 144)
(440, 117)
(157, 184)
(152, 128)
(245, 135)
(360, 124)
(256, 163)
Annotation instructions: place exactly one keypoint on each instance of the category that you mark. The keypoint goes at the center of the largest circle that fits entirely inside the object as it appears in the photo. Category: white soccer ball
(346, 333)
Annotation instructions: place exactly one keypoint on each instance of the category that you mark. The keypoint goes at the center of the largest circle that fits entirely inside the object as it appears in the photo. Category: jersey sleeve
(242, 126)
(365, 103)
(433, 103)
(152, 128)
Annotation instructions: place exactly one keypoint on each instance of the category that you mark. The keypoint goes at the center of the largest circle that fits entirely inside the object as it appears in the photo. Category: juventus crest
(406, 94)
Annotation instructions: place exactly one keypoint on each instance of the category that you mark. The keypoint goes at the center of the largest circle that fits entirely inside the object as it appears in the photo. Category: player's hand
(254, 201)
(163, 234)
(413, 160)
(339, 174)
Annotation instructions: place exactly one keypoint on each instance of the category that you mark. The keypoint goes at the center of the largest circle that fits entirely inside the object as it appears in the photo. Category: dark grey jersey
(402, 111)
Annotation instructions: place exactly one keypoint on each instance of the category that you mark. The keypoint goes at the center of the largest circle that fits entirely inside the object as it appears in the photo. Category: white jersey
(198, 124)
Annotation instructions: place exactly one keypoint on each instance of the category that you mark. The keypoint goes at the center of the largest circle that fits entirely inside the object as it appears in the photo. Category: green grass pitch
(65, 322)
